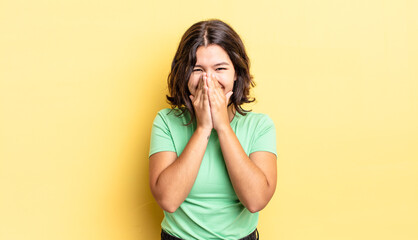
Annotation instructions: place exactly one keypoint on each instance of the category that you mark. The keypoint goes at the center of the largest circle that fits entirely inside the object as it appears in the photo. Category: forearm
(175, 182)
(250, 183)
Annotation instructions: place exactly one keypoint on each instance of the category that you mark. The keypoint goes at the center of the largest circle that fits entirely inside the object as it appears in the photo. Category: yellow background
(81, 82)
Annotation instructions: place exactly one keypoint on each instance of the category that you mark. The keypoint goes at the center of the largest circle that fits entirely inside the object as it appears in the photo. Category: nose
(209, 73)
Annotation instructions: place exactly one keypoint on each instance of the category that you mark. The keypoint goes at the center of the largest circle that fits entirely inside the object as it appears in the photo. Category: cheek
(227, 82)
(192, 84)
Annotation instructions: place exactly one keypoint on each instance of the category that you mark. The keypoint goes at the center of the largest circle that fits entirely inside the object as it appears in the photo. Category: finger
(204, 89)
(217, 87)
(212, 84)
(228, 96)
(206, 81)
(210, 95)
(200, 84)
(212, 92)
(219, 91)
(212, 88)
(199, 95)
(211, 79)
(215, 81)
(206, 96)
(209, 85)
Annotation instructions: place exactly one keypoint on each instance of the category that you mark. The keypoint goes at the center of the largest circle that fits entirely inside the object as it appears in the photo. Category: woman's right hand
(201, 104)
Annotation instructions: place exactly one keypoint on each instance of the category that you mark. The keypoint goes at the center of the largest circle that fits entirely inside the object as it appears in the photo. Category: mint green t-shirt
(212, 209)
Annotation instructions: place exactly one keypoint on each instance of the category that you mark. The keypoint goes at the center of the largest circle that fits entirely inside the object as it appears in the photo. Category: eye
(218, 69)
(197, 70)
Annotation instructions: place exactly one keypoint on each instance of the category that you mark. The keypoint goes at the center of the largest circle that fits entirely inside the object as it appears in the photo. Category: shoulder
(256, 115)
(172, 116)
(168, 113)
(252, 123)
(165, 112)
(255, 119)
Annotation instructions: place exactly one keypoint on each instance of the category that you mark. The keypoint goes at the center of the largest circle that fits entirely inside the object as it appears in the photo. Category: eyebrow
(218, 64)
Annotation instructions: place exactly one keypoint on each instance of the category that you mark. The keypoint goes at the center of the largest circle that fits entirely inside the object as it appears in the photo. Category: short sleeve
(264, 136)
(161, 139)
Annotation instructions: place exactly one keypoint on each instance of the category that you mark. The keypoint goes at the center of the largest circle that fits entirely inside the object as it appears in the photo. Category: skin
(253, 177)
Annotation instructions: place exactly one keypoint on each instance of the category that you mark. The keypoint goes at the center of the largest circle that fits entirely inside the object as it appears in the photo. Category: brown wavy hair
(205, 33)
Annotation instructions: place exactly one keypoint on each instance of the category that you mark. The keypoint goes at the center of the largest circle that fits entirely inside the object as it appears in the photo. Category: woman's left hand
(218, 101)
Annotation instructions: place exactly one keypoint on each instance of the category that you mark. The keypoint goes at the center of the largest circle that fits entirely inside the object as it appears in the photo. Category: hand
(201, 105)
(218, 103)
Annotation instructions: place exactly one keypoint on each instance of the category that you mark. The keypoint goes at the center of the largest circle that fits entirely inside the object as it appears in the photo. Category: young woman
(212, 163)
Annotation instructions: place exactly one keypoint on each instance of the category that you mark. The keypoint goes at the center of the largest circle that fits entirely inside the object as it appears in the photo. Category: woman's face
(212, 59)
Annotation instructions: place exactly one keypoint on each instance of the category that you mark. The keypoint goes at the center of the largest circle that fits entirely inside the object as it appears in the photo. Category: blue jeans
(253, 236)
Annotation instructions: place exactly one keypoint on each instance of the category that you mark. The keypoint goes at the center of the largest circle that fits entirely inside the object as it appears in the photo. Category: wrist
(204, 130)
(223, 129)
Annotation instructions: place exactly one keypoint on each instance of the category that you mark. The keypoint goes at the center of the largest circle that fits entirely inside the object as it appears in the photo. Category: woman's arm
(172, 177)
(254, 177)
